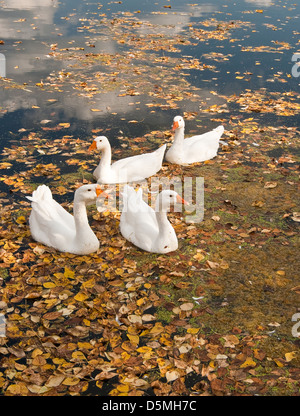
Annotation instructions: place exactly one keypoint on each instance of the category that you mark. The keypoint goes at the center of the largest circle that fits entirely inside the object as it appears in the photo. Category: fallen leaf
(71, 381)
(248, 363)
(81, 296)
(289, 356)
(172, 375)
(187, 306)
(269, 185)
(55, 381)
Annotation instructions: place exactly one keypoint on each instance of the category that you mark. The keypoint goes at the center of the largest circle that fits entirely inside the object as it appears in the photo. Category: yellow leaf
(140, 302)
(224, 265)
(85, 345)
(18, 389)
(59, 361)
(80, 297)
(71, 381)
(69, 273)
(48, 285)
(123, 388)
(258, 204)
(95, 109)
(65, 125)
(21, 219)
(36, 352)
(39, 361)
(279, 363)
(157, 329)
(78, 355)
(125, 356)
(134, 339)
(193, 331)
(199, 256)
(89, 283)
(5, 165)
(290, 355)
(144, 349)
(248, 363)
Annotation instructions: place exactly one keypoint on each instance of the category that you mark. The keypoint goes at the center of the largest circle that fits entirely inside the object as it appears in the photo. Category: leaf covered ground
(212, 318)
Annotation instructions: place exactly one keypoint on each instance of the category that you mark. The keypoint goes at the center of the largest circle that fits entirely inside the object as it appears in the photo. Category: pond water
(253, 50)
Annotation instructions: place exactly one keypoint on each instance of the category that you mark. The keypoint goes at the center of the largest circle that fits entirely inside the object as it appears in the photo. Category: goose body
(146, 228)
(193, 149)
(134, 168)
(51, 225)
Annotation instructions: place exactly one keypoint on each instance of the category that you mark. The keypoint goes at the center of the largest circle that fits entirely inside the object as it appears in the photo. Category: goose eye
(89, 190)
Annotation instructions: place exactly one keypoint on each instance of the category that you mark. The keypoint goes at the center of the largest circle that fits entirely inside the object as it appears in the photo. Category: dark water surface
(29, 28)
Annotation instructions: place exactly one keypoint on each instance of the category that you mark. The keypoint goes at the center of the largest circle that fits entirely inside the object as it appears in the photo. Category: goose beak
(181, 200)
(93, 145)
(175, 125)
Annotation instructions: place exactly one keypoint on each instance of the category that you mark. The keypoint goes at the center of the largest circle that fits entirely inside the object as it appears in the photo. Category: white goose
(134, 168)
(146, 228)
(51, 225)
(193, 149)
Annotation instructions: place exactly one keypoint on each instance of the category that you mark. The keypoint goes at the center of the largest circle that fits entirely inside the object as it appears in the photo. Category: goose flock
(145, 227)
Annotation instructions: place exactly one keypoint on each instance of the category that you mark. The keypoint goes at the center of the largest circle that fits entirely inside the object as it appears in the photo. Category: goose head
(88, 193)
(168, 198)
(178, 123)
(99, 143)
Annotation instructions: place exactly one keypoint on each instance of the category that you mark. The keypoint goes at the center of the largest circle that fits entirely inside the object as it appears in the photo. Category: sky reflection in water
(29, 27)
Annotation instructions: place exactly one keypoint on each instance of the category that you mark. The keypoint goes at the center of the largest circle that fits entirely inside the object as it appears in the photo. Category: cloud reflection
(27, 62)
(262, 3)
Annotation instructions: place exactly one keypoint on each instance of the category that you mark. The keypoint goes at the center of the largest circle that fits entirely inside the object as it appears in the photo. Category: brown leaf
(55, 381)
(187, 306)
(52, 315)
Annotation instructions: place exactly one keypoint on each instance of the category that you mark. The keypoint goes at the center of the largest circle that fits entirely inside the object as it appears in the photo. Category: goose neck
(179, 135)
(162, 220)
(106, 156)
(80, 217)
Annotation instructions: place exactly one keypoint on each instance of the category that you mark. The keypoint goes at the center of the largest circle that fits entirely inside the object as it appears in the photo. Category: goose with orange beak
(134, 168)
(193, 149)
(145, 227)
(53, 226)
